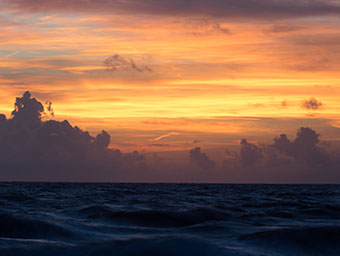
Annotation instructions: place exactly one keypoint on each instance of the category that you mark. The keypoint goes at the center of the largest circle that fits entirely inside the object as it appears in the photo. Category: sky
(173, 76)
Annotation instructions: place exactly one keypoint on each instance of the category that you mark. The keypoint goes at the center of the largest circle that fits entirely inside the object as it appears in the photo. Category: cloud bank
(35, 150)
(227, 9)
(32, 149)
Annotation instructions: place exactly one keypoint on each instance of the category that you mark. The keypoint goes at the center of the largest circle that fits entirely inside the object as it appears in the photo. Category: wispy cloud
(11, 54)
(164, 136)
(118, 62)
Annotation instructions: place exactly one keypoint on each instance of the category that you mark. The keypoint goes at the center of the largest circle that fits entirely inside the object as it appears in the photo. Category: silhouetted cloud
(27, 109)
(32, 149)
(118, 62)
(2, 118)
(229, 9)
(302, 160)
(250, 154)
(201, 159)
(304, 148)
(312, 104)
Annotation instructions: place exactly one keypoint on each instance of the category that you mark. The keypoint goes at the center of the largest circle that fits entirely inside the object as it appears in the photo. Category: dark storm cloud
(31, 149)
(312, 104)
(201, 159)
(229, 9)
(118, 62)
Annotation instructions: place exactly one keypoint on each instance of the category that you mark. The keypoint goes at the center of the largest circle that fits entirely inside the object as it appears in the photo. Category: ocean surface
(82, 219)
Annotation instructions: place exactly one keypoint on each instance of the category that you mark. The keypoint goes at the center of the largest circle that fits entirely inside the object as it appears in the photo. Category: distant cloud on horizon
(36, 150)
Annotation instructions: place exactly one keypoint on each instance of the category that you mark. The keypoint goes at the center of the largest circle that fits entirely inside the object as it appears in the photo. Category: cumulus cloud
(304, 149)
(303, 159)
(311, 104)
(27, 109)
(32, 149)
(229, 9)
(201, 159)
(117, 62)
(250, 154)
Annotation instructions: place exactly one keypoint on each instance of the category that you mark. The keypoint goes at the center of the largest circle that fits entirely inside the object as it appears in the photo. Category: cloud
(304, 159)
(199, 27)
(284, 103)
(50, 150)
(117, 62)
(228, 9)
(27, 109)
(283, 28)
(304, 149)
(11, 54)
(250, 154)
(312, 104)
(165, 136)
(32, 149)
(201, 159)
(160, 145)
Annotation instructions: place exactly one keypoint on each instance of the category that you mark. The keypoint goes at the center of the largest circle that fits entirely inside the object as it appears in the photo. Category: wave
(164, 219)
(17, 197)
(152, 246)
(157, 218)
(19, 227)
(308, 240)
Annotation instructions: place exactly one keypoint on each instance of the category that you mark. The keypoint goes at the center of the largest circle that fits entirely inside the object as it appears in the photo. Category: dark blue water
(168, 219)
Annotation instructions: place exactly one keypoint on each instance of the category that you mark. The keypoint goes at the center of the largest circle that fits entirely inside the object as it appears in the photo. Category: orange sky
(178, 80)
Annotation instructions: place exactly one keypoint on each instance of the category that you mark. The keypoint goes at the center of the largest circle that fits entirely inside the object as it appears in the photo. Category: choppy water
(168, 219)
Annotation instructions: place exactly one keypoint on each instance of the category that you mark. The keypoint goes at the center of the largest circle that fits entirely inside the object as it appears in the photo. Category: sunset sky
(171, 75)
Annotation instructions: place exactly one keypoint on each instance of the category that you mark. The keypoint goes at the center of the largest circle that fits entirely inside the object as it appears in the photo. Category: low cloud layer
(201, 159)
(229, 9)
(304, 159)
(33, 149)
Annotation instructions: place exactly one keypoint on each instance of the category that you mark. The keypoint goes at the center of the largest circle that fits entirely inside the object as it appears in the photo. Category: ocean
(82, 219)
